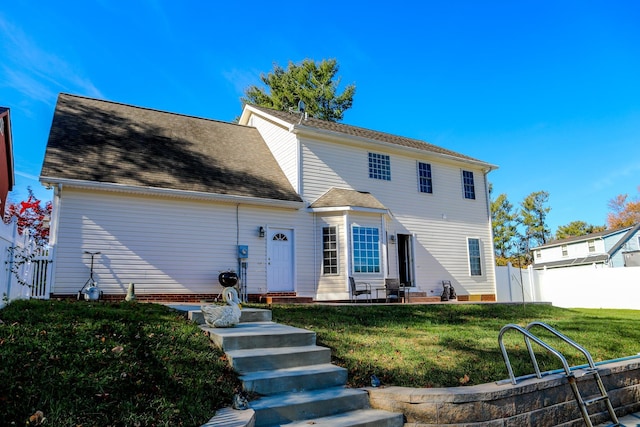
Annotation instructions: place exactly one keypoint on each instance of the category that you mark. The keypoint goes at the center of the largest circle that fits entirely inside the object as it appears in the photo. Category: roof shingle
(107, 142)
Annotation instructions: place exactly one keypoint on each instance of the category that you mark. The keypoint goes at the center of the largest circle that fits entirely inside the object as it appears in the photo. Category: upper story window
(366, 249)
(592, 245)
(424, 178)
(475, 261)
(468, 185)
(538, 254)
(329, 250)
(379, 166)
(565, 250)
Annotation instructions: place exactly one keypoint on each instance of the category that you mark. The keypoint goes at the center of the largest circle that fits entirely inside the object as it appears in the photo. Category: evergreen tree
(315, 84)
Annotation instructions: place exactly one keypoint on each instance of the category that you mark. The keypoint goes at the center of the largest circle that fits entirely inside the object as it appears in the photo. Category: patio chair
(358, 289)
(394, 290)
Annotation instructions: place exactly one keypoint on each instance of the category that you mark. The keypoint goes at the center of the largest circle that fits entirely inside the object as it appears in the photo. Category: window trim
(428, 184)
(376, 250)
(379, 166)
(468, 189)
(478, 256)
(336, 250)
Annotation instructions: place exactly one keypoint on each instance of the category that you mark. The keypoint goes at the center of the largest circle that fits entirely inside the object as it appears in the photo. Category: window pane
(475, 263)
(366, 253)
(329, 254)
(379, 166)
(424, 178)
(469, 187)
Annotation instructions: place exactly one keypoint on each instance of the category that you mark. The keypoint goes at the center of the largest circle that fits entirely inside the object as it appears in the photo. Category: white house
(295, 204)
(609, 248)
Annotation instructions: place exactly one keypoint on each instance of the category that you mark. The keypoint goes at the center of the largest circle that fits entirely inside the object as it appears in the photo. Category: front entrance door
(405, 259)
(280, 260)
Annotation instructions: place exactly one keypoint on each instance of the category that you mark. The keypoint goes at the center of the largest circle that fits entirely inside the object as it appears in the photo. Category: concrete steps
(294, 376)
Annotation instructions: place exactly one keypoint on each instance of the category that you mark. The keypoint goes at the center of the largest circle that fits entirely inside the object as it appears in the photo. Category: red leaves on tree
(31, 217)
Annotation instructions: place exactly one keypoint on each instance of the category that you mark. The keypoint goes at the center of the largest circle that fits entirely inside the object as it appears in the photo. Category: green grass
(98, 364)
(449, 345)
(101, 364)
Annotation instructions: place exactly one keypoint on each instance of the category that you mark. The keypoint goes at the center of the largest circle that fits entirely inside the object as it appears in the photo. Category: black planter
(228, 279)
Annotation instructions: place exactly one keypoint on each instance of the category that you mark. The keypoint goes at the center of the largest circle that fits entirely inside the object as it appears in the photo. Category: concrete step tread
(256, 329)
(301, 397)
(272, 351)
(323, 368)
(360, 417)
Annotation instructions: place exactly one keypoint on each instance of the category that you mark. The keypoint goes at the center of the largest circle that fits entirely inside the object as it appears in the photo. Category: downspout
(493, 249)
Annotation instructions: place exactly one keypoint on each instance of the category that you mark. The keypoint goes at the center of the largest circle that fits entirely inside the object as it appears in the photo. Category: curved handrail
(529, 336)
(566, 339)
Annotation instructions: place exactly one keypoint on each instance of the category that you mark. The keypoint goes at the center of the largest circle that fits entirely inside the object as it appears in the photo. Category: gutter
(167, 192)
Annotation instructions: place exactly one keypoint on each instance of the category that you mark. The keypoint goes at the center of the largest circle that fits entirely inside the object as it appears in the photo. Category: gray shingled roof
(107, 142)
(313, 123)
(337, 197)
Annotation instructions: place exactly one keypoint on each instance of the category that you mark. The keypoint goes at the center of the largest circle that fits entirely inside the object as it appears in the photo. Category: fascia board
(166, 192)
(248, 110)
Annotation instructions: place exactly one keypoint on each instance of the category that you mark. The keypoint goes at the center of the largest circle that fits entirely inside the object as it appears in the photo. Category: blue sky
(547, 90)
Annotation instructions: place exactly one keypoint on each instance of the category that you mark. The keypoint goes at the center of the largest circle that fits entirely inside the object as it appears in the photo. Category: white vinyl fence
(24, 268)
(579, 287)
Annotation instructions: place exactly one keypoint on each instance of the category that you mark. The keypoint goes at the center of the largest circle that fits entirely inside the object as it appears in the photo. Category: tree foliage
(504, 226)
(533, 214)
(31, 217)
(313, 83)
(625, 212)
(577, 228)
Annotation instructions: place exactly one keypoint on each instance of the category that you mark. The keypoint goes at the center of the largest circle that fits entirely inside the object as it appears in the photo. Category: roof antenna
(301, 110)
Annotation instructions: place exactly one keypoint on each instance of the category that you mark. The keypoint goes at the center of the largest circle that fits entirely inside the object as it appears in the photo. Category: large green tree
(533, 216)
(503, 220)
(577, 228)
(315, 84)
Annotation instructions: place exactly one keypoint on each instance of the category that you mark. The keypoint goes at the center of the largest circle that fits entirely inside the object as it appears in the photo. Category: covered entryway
(280, 263)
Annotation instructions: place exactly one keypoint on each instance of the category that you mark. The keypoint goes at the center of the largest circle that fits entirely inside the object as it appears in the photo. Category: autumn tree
(577, 228)
(503, 220)
(625, 212)
(31, 216)
(315, 84)
(533, 215)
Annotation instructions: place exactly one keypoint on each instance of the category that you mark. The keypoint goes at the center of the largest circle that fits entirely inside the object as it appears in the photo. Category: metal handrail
(529, 336)
(566, 339)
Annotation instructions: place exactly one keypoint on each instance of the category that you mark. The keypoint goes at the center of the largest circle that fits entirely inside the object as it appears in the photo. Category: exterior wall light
(261, 231)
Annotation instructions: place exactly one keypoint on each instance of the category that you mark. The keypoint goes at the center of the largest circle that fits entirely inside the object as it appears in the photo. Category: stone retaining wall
(531, 403)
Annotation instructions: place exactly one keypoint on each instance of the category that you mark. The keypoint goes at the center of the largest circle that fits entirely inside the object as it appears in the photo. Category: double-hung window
(565, 250)
(468, 185)
(425, 184)
(592, 245)
(379, 166)
(329, 250)
(366, 249)
(475, 261)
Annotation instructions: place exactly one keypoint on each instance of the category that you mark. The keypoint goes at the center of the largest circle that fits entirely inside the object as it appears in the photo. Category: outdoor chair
(394, 290)
(358, 289)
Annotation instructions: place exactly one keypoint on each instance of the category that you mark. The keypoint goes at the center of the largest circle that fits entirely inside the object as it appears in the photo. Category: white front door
(280, 260)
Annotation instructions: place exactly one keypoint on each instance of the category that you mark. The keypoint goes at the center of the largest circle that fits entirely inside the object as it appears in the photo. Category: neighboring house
(170, 201)
(6, 157)
(609, 248)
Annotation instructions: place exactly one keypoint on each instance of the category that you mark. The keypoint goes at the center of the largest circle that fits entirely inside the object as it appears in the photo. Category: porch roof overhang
(168, 192)
(344, 199)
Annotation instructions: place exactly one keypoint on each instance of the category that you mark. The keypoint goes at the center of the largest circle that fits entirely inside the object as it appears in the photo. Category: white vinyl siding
(440, 222)
(169, 245)
(284, 147)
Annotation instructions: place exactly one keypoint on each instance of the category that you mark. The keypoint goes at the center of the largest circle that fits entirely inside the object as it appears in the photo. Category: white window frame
(471, 185)
(428, 179)
(337, 251)
(378, 248)
(478, 256)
